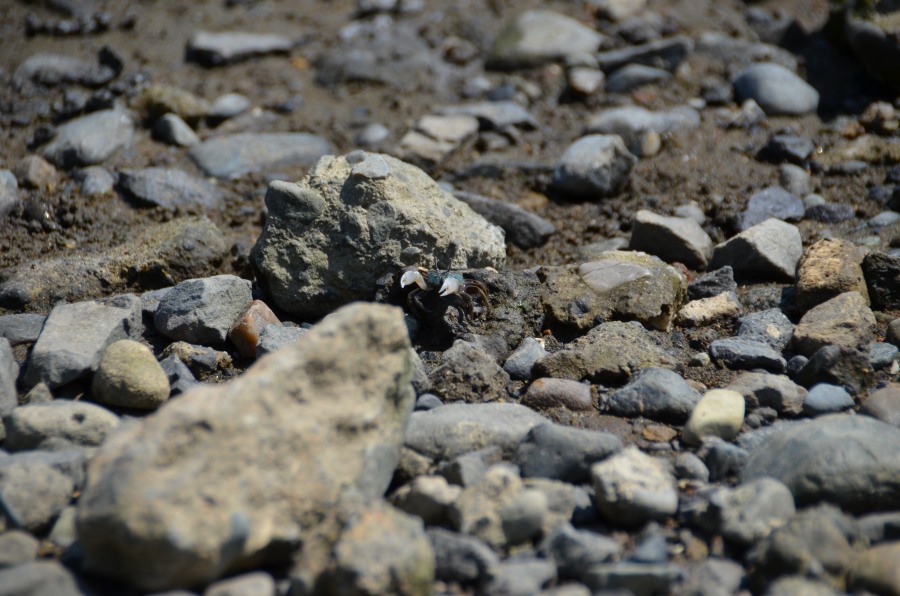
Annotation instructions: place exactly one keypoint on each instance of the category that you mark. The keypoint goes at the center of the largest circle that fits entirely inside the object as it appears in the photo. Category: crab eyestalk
(413, 277)
(451, 285)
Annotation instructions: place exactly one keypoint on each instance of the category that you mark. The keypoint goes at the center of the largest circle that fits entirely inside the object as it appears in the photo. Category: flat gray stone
(772, 202)
(21, 328)
(49, 69)
(563, 453)
(739, 353)
(850, 461)
(454, 429)
(58, 425)
(845, 320)
(75, 335)
(225, 47)
(171, 189)
(632, 76)
(90, 139)
(39, 577)
(523, 228)
(633, 123)
(233, 155)
(770, 326)
(9, 373)
(9, 192)
(776, 89)
(662, 53)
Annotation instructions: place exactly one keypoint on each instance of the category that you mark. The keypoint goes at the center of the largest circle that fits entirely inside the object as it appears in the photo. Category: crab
(449, 286)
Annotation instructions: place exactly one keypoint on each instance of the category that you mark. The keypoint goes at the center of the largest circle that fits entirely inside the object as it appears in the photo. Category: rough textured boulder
(237, 474)
(353, 219)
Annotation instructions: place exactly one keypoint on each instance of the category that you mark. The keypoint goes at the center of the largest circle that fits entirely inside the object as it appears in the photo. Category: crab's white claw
(412, 277)
(451, 285)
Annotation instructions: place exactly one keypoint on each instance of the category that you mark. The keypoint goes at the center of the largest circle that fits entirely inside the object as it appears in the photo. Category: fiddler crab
(451, 287)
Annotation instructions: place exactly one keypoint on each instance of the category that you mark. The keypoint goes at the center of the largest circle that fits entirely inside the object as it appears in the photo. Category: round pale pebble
(719, 413)
(129, 376)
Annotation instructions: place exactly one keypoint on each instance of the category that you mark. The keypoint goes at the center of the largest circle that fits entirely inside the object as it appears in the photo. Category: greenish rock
(719, 413)
(129, 376)
(610, 352)
(618, 286)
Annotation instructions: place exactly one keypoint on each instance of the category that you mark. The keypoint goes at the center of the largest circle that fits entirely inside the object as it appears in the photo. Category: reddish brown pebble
(659, 433)
(245, 334)
(552, 393)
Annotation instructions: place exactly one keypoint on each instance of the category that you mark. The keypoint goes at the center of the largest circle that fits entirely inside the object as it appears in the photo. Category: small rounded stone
(129, 376)
(719, 413)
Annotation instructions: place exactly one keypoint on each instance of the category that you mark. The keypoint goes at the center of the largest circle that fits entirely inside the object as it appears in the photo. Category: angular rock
(539, 36)
(769, 391)
(771, 202)
(548, 393)
(519, 364)
(34, 493)
(454, 429)
(593, 167)
(171, 189)
(563, 453)
(673, 239)
(74, 337)
(498, 115)
(710, 311)
(33, 171)
(776, 89)
(770, 326)
(850, 461)
(382, 551)
(161, 255)
(712, 284)
(245, 334)
(882, 271)
(90, 139)
(435, 137)
(427, 497)
(576, 551)
(461, 558)
(632, 488)
(338, 404)
(609, 352)
(618, 285)
(203, 311)
(769, 250)
(739, 353)
(844, 320)
(225, 47)
(657, 394)
(477, 511)
(828, 268)
(837, 365)
(469, 374)
(720, 413)
(752, 510)
(275, 337)
(330, 237)
(58, 425)
(170, 128)
(787, 148)
(233, 155)
(130, 377)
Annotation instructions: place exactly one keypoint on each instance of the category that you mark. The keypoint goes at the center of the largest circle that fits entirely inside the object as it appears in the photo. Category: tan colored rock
(709, 311)
(828, 268)
(33, 171)
(719, 413)
(245, 334)
(845, 320)
(129, 376)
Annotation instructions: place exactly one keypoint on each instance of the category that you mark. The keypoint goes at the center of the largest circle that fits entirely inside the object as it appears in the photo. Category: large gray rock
(618, 285)
(610, 352)
(75, 336)
(233, 155)
(564, 453)
(57, 425)
(851, 461)
(161, 255)
(448, 431)
(593, 167)
(272, 453)
(671, 239)
(776, 89)
(633, 488)
(90, 139)
(354, 219)
(540, 36)
(770, 251)
(203, 311)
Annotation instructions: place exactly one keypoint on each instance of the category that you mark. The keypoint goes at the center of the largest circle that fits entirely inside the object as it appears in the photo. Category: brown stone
(659, 433)
(552, 393)
(845, 320)
(245, 333)
(828, 268)
(33, 171)
(884, 404)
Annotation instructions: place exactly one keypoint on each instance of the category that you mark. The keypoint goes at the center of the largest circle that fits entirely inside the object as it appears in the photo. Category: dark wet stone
(882, 272)
(712, 284)
(773, 201)
(830, 212)
(563, 453)
(523, 228)
(838, 365)
(787, 148)
(663, 53)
